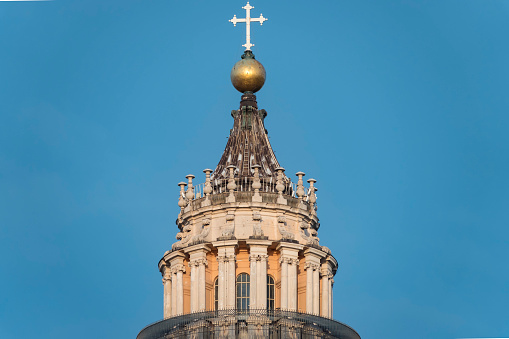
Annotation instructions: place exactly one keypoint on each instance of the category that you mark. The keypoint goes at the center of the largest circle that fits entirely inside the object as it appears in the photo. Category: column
(316, 290)
(194, 286)
(262, 282)
(221, 282)
(313, 262)
(226, 259)
(309, 288)
(292, 284)
(201, 286)
(197, 263)
(331, 281)
(253, 259)
(167, 292)
(173, 292)
(231, 281)
(258, 249)
(325, 292)
(177, 289)
(284, 283)
(289, 259)
(180, 289)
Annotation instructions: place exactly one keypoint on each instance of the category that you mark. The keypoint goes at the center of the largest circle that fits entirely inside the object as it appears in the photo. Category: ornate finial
(190, 191)
(231, 184)
(182, 196)
(312, 195)
(248, 21)
(280, 186)
(300, 185)
(207, 189)
(256, 183)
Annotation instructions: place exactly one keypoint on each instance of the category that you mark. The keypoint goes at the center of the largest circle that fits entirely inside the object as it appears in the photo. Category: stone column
(284, 283)
(292, 284)
(309, 287)
(253, 259)
(197, 263)
(262, 282)
(221, 282)
(325, 292)
(180, 269)
(201, 286)
(313, 257)
(167, 292)
(258, 255)
(231, 281)
(227, 278)
(174, 292)
(194, 286)
(289, 258)
(316, 290)
(177, 289)
(331, 281)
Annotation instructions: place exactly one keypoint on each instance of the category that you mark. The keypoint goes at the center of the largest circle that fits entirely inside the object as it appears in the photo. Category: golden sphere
(248, 75)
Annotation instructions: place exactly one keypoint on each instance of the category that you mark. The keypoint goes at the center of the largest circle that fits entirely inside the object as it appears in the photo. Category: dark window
(270, 293)
(216, 294)
(243, 291)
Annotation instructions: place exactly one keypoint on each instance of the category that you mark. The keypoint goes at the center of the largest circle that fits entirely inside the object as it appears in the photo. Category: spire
(248, 144)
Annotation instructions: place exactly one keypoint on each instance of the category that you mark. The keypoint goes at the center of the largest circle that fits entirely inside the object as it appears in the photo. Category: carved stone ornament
(285, 234)
(183, 237)
(178, 268)
(257, 216)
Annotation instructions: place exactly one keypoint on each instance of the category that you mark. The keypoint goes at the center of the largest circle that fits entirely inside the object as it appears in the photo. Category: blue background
(399, 108)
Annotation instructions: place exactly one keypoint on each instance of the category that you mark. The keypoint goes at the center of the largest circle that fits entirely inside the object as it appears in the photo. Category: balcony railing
(257, 323)
(244, 192)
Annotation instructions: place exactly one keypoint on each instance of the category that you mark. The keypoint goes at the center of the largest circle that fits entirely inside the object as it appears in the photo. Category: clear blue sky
(399, 108)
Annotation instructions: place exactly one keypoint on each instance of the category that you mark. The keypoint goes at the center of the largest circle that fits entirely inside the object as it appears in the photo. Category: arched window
(243, 291)
(270, 292)
(216, 294)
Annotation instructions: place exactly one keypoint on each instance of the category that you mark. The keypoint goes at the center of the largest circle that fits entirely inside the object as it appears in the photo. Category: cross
(248, 21)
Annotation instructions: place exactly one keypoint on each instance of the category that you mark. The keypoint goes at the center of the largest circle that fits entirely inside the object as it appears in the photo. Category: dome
(248, 74)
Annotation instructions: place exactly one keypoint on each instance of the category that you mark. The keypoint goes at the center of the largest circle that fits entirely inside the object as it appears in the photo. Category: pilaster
(312, 266)
(258, 264)
(226, 279)
(197, 263)
(289, 259)
(167, 291)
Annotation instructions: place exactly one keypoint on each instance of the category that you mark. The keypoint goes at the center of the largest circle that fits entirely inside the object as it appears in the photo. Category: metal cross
(248, 21)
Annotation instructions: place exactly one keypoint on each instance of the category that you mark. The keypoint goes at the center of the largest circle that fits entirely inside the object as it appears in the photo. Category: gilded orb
(248, 75)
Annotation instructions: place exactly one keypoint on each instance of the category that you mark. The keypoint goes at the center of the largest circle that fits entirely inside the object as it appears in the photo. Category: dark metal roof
(248, 144)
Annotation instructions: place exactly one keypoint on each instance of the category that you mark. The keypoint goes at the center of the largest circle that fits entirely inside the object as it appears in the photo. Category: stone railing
(278, 189)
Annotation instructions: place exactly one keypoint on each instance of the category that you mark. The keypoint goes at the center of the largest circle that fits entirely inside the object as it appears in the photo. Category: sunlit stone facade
(248, 262)
(248, 244)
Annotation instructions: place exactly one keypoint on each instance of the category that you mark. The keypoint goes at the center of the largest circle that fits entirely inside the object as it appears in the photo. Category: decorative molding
(183, 237)
(198, 262)
(312, 266)
(178, 268)
(258, 257)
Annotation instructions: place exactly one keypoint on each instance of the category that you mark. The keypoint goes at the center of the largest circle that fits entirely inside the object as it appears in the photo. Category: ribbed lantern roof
(248, 144)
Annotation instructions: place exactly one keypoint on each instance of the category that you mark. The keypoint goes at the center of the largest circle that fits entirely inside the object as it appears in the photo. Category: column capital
(178, 268)
(166, 272)
(311, 266)
(258, 257)
(198, 262)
